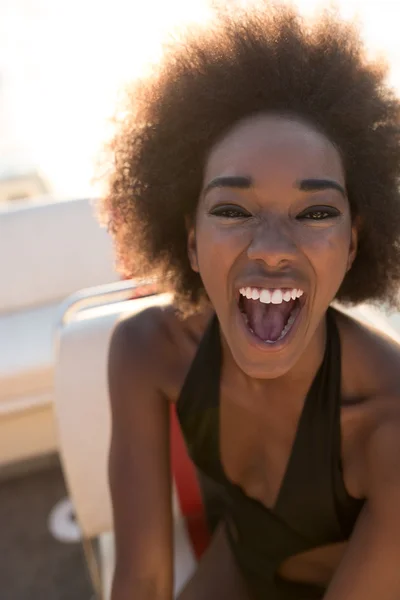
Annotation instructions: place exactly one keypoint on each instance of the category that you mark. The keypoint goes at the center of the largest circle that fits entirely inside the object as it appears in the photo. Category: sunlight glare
(78, 56)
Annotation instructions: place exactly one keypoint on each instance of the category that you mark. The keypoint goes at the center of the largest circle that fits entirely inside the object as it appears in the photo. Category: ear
(353, 242)
(191, 245)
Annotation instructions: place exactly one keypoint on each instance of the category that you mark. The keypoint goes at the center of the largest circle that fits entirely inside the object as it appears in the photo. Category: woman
(256, 174)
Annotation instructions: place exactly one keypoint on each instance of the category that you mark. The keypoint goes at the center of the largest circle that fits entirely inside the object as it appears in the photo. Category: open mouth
(270, 314)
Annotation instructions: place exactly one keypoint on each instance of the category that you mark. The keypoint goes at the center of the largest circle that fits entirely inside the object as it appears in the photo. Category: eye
(319, 213)
(230, 211)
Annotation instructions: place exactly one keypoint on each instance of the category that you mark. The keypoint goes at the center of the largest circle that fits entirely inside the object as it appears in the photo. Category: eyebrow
(315, 185)
(233, 181)
(245, 182)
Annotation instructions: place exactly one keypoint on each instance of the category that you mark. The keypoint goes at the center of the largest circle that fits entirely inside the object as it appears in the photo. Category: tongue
(267, 320)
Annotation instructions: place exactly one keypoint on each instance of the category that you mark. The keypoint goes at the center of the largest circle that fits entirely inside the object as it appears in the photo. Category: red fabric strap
(188, 489)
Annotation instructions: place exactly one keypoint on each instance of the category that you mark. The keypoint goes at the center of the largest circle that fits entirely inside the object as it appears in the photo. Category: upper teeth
(274, 296)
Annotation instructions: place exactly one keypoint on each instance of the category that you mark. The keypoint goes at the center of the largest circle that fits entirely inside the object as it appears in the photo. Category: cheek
(217, 250)
(328, 252)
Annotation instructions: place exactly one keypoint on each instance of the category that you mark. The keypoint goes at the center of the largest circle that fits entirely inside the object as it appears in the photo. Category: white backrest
(82, 409)
(49, 250)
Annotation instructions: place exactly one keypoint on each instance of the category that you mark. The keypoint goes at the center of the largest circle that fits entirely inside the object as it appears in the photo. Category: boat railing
(100, 295)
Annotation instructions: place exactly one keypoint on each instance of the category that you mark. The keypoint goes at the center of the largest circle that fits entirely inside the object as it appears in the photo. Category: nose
(273, 243)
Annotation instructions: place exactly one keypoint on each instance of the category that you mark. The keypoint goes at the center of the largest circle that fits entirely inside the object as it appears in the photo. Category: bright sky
(62, 62)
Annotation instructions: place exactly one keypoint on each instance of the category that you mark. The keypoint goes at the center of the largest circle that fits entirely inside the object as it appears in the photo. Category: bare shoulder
(379, 448)
(157, 344)
(370, 357)
(370, 394)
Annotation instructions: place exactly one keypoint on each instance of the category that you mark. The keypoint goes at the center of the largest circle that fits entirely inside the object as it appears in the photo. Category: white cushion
(49, 250)
(27, 352)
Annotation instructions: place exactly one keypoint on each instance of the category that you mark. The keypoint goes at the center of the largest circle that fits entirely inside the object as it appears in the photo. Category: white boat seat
(48, 251)
(83, 424)
(27, 352)
(82, 408)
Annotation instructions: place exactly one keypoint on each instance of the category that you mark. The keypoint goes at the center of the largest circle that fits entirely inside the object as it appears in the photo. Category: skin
(271, 242)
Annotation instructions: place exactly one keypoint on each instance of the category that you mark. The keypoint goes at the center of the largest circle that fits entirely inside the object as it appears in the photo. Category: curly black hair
(255, 61)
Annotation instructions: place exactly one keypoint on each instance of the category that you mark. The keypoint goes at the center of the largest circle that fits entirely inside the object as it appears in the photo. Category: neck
(294, 384)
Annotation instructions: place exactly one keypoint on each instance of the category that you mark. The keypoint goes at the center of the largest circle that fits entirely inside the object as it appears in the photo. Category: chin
(264, 367)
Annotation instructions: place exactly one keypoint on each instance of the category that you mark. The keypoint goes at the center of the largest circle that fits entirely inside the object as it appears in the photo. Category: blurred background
(62, 66)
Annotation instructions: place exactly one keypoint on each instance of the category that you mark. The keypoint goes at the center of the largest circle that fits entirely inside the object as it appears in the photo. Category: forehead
(269, 146)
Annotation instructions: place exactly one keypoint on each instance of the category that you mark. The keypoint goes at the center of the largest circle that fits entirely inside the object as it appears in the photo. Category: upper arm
(371, 565)
(139, 468)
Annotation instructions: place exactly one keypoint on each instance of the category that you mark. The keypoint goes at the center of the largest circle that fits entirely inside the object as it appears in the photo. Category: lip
(279, 345)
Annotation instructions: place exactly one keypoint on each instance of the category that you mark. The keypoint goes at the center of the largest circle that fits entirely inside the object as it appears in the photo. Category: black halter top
(313, 507)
